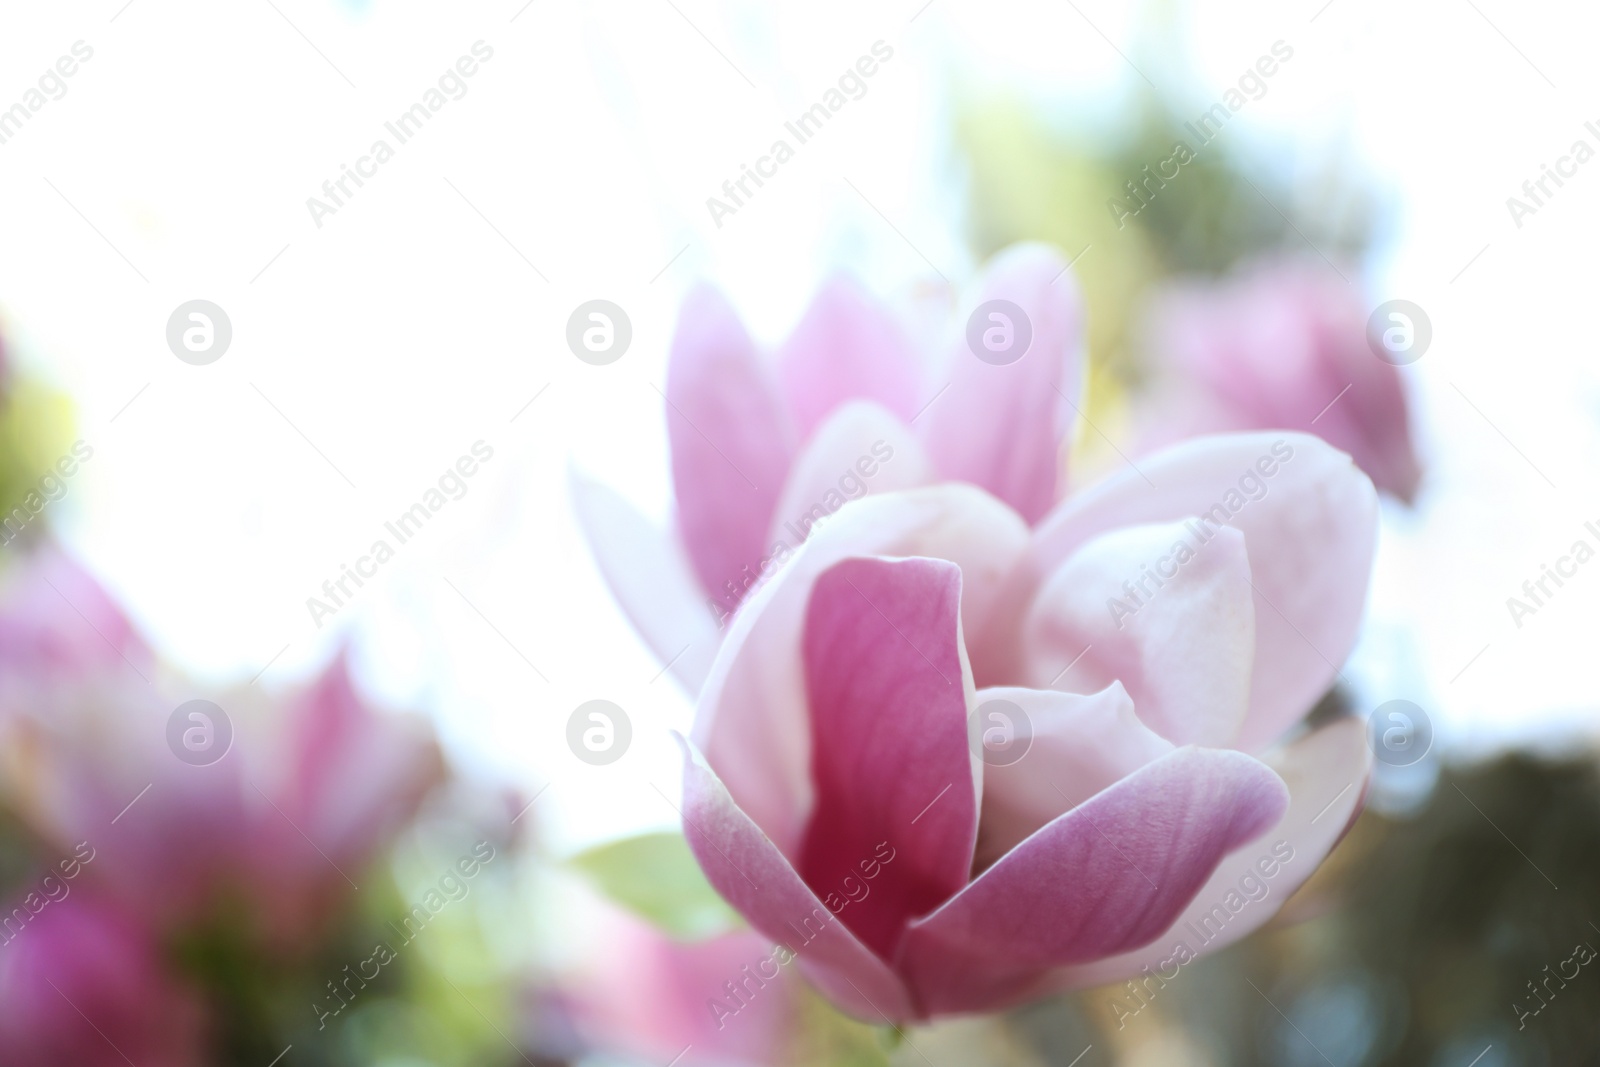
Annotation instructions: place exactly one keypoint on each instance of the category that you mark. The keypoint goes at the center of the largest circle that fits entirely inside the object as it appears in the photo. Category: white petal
(649, 574)
(1167, 610)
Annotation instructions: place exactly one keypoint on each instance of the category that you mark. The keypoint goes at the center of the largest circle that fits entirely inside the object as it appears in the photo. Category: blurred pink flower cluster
(263, 843)
(724, 1000)
(1281, 344)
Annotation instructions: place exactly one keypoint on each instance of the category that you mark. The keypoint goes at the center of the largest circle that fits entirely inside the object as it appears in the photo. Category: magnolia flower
(720, 1001)
(283, 821)
(1151, 647)
(346, 781)
(1281, 345)
(56, 617)
(85, 986)
(766, 450)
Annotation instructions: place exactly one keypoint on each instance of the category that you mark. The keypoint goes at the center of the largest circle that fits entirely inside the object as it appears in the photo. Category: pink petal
(86, 984)
(1106, 877)
(1372, 422)
(353, 777)
(650, 996)
(731, 442)
(1183, 648)
(750, 873)
(1274, 346)
(1310, 540)
(355, 774)
(1327, 773)
(1081, 744)
(847, 346)
(752, 719)
(1002, 427)
(651, 577)
(85, 750)
(1250, 343)
(888, 686)
(55, 616)
(859, 449)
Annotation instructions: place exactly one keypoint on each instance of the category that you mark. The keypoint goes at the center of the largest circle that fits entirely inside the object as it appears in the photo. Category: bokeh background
(374, 346)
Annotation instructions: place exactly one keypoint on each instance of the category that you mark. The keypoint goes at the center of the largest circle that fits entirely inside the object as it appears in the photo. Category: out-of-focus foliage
(1453, 924)
(322, 883)
(35, 433)
(656, 877)
(1428, 939)
(1030, 179)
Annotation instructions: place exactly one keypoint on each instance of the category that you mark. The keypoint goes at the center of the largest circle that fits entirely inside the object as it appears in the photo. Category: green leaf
(656, 877)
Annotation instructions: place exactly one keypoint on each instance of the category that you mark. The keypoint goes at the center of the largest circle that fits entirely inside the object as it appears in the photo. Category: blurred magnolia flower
(55, 617)
(764, 451)
(86, 986)
(281, 823)
(348, 781)
(1281, 345)
(952, 764)
(718, 1001)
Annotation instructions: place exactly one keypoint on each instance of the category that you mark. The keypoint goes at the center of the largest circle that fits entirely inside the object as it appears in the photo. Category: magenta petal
(731, 443)
(356, 775)
(1002, 427)
(847, 346)
(1327, 772)
(746, 868)
(87, 984)
(890, 761)
(752, 720)
(1106, 877)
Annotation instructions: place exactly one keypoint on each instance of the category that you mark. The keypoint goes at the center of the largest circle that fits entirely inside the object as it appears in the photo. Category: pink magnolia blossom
(284, 822)
(1164, 632)
(56, 617)
(722, 1001)
(84, 985)
(764, 450)
(347, 781)
(1282, 345)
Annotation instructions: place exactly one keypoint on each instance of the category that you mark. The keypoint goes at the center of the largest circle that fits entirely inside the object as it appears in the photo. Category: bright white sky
(428, 311)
